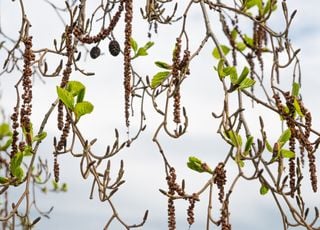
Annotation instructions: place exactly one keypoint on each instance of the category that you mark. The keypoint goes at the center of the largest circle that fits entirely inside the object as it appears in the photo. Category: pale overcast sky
(143, 164)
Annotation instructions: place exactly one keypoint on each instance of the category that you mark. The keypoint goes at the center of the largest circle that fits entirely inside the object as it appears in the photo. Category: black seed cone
(95, 52)
(114, 48)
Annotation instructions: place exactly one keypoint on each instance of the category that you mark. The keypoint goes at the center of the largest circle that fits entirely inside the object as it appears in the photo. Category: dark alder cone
(95, 52)
(114, 48)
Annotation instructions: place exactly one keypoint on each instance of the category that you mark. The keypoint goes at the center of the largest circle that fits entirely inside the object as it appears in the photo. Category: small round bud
(114, 48)
(95, 52)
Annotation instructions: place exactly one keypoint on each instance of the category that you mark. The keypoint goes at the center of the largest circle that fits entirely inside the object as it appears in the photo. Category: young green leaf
(234, 34)
(75, 87)
(285, 136)
(243, 75)
(287, 153)
(40, 136)
(163, 65)
(83, 108)
(27, 151)
(248, 144)
(235, 138)
(297, 107)
(158, 78)
(66, 97)
(247, 83)
(295, 89)
(195, 164)
(6, 145)
(15, 163)
(220, 68)
(16, 160)
(142, 52)
(225, 50)
(3, 180)
(269, 147)
(18, 173)
(5, 130)
(133, 44)
(81, 94)
(148, 45)
(241, 46)
(248, 40)
(264, 189)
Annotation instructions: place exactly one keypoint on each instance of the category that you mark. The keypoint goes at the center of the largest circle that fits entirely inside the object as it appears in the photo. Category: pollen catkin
(220, 179)
(103, 33)
(56, 168)
(127, 59)
(175, 77)
(26, 107)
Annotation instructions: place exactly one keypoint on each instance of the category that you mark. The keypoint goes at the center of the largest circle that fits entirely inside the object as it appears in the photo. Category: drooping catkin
(105, 32)
(127, 59)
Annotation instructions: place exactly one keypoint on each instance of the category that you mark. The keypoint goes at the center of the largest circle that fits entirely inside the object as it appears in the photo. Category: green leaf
(269, 147)
(241, 46)
(158, 78)
(142, 52)
(235, 138)
(148, 45)
(81, 94)
(18, 173)
(3, 180)
(15, 163)
(40, 136)
(6, 145)
(195, 164)
(234, 34)
(251, 3)
(27, 151)
(133, 44)
(285, 136)
(295, 89)
(75, 87)
(83, 108)
(16, 160)
(66, 97)
(297, 107)
(225, 50)
(243, 75)
(246, 83)
(264, 189)
(220, 68)
(287, 153)
(268, 7)
(248, 40)
(248, 144)
(229, 69)
(5, 130)
(234, 76)
(163, 65)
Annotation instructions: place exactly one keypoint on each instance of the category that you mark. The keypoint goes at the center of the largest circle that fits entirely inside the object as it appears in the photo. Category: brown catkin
(175, 77)
(190, 210)
(224, 219)
(292, 166)
(313, 171)
(26, 107)
(127, 59)
(220, 179)
(103, 33)
(56, 168)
